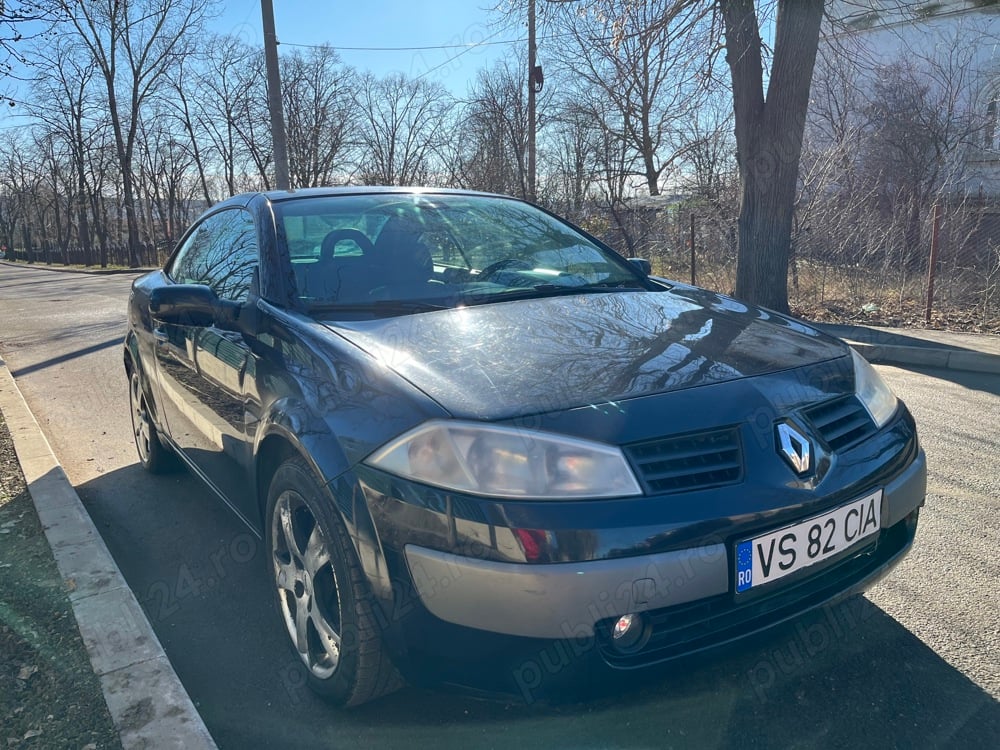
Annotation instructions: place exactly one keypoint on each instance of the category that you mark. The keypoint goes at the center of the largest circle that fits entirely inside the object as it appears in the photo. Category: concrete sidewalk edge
(945, 357)
(928, 357)
(147, 701)
(92, 271)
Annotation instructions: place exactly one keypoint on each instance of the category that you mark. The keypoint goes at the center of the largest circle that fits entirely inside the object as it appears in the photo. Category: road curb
(148, 703)
(88, 271)
(945, 356)
(948, 359)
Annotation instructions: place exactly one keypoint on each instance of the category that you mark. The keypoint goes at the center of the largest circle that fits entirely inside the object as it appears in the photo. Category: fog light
(628, 631)
(624, 624)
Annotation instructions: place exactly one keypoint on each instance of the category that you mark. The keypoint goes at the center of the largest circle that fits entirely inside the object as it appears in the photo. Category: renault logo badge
(795, 448)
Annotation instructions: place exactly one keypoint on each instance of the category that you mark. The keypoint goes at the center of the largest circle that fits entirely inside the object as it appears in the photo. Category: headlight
(499, 461)
(872, 390)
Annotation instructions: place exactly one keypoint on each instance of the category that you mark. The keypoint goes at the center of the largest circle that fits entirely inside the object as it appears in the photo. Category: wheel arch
(286, 429)
(132, 361)
(282, 437)
(130, 353)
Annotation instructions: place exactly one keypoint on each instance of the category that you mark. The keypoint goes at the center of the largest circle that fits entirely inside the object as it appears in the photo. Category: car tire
(321, 593)
(154, 456)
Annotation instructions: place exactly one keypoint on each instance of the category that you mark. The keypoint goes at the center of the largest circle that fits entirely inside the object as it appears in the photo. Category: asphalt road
(914, 664)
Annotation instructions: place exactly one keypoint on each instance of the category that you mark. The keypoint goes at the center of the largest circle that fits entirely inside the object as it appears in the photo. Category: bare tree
(183, 110)
(570, 150)
(769, 130)
(494, 133)
(614, 163)
(133, 43)
(644, 61)
(403, 127)
(22, 189)
(64, 101)
(166, 184)
(708, 150)
(317, 89)
(227, 114)
(22, 20)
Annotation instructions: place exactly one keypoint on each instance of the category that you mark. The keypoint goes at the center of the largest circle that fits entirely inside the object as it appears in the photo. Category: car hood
(508, 359)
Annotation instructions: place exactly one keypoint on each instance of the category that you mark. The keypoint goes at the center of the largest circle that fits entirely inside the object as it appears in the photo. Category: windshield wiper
(553, 290)
(389, 306)
(613, 285)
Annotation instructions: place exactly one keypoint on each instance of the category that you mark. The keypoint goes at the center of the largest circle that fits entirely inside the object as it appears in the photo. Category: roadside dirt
(49, 696)
(909, 315)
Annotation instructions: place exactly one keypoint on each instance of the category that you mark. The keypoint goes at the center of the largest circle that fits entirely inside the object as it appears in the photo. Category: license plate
(780, 553)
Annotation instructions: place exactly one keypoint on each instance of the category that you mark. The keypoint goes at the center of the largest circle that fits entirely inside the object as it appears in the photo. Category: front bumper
(687, 594)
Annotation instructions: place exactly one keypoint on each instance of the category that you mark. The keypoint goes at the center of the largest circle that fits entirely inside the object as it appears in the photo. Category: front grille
(688, 462)
(841, 422)
(687, 628)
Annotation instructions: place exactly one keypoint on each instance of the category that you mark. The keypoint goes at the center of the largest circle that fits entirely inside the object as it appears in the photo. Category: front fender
(289, 421)
(334, 404)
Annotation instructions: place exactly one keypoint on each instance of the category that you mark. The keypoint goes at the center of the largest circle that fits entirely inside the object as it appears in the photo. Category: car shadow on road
(974, 381)
(845, 676)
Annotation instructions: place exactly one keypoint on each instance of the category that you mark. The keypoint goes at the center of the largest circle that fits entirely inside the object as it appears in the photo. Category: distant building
(954, 34)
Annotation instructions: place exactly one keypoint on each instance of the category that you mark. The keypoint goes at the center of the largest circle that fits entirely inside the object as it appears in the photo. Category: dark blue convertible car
(471, 434)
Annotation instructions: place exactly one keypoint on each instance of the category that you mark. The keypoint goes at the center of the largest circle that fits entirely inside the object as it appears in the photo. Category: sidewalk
(148, 704)
(93, 270)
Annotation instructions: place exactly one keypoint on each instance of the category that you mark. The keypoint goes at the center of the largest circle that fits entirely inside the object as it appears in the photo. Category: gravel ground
(49, 696)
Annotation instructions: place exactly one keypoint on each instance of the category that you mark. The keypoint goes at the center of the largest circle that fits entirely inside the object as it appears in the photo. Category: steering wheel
(333, 238)
(500, 265)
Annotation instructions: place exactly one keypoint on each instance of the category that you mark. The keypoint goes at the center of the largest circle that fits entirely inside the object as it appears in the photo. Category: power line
(467, 46)
(455, 57)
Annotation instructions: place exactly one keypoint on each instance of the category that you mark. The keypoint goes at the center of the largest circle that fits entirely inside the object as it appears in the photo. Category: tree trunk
(769, 134)
(83, 223)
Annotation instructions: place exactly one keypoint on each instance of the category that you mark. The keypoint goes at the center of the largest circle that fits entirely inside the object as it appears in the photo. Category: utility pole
(531, 100)
(274, 97)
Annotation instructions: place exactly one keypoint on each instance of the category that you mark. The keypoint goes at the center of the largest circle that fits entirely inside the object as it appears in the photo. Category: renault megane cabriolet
(467, 430)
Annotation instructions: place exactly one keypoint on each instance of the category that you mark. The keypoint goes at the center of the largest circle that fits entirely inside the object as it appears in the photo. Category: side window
(220, 253)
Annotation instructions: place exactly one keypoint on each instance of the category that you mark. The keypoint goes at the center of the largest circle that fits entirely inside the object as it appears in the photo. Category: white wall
(946, 36)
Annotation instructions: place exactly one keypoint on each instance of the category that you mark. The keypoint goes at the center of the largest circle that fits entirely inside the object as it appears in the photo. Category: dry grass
(852, 294)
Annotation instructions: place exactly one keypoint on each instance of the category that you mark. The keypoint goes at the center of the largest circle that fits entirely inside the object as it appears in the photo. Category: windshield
(410, 252)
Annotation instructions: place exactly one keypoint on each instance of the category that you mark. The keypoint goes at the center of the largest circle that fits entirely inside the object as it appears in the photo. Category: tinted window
(220, 253)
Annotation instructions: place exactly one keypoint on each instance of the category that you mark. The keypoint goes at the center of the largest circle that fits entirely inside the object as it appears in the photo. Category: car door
(203, 368)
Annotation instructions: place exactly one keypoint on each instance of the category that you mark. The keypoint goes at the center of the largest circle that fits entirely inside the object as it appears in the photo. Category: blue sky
(370, 23)
(384, 23)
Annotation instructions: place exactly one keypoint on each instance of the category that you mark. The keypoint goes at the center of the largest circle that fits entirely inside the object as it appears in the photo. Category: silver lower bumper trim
(561, 600)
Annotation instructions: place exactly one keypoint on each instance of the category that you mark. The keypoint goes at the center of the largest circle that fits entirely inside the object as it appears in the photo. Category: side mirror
(199, 305)
(184, 304)
(644, 266)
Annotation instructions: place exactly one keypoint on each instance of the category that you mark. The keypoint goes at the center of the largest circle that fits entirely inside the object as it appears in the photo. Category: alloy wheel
(307, 584)
(141, 427)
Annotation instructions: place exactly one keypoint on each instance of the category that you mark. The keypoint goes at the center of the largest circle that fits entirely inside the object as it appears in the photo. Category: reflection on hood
(501, 360)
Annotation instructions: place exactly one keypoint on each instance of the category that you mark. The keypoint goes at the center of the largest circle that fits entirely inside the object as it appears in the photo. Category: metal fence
(875, 269)
(112, 255)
